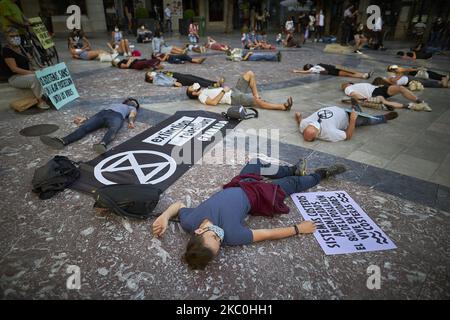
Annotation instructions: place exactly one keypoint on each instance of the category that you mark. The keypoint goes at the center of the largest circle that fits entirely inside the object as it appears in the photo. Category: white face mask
(142, 28)
(116, 29)
(153, 74)
(15, 41)
(196, 86)
(116, 60)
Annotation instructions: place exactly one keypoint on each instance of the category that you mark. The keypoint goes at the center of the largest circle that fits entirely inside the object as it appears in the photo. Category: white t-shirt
(333, 125)
(289, 25)
(348, 13)
(212, 94)
(363, 89)
(378, 24)
(403, 81)
(168, 13)
(317, 69)
(321, 20)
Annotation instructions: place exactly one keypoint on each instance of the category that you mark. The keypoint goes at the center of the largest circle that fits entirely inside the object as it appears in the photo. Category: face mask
(117, 60)
(196, 86)
(16, 41)
(153, 74)
(76, 38)
(116, 29)
(217, 230)
(142, 28)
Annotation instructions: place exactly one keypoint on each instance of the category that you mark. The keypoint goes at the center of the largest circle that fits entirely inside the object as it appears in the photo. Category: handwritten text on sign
(58, 84)
(342, 226)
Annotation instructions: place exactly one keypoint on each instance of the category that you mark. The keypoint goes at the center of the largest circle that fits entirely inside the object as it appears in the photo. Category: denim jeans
(365, 121)
(105, 118)
(283, 176)
(259, 56)
(179, 58)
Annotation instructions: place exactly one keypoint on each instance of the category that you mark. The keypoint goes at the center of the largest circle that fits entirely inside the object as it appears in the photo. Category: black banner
(159, 155)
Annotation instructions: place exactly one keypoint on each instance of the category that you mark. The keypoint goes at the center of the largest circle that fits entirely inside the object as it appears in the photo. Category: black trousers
(189, 80)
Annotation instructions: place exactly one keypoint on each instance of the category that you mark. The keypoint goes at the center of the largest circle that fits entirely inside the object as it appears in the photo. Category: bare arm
(11, 63)
(351, 125)
(160, 224)
(281, 233)
(87, 44)
(301, 71)
(216, 100)
(131, 119)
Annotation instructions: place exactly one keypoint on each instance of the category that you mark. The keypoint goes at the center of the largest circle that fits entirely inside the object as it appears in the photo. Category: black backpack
(58, 174)
(240, 113)
(130, 200)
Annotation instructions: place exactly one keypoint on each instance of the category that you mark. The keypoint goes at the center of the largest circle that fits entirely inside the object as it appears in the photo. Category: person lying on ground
(178, 58)
(136, 63)
(18, 69)
(176, 79)
(216, 223)
(335, 124)
(80, 47)
(244, 93)
(415, 72)
(327, 69)
(244, 55)
(195, 48)
(159, 45)
(407, 80)
(118, 43)
(364, 91)
(112, 118)
(214, 45)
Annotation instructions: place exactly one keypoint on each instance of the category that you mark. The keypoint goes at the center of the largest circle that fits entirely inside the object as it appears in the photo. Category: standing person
(266, 19)
(112, 118)
(259, 21)
(360, 38)
(419, 30)
(347, 24)
(305, 27)
(437, 32)
(128, 12)
(320, 25)
(168, 18)
(378, 30)
(12, 16)
(312, 25)
(446, 40)
(215, 223)
(18, 69)
(289, 26)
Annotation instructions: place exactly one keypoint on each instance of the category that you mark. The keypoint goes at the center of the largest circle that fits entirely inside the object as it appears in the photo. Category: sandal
(288, 104)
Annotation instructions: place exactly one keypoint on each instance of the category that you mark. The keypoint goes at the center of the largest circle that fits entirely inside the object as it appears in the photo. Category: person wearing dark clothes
(437, 32)
(328, 69)
(112, 118)
(413, 55)
(215, 223)
(178, 58)
(136, 64)
(409, 71)
(176, 79)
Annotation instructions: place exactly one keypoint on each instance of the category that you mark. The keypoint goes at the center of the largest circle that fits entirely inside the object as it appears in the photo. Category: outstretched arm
(160, 224)
(281, 233)
(301, 71)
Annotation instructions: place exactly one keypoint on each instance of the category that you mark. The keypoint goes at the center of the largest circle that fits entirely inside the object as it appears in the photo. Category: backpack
(55, 176)
(240, 113)
(130, 200)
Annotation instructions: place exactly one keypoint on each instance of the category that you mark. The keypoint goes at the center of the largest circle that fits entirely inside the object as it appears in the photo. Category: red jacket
(266, 199)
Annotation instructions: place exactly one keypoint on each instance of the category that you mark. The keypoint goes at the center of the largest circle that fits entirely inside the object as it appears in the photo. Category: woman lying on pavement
(178, 58)
(136, 63)
(328, 69)
(407, 80)
(415, 72)
(176, 79)
(214, 45)
(215, 223)
(244, 55)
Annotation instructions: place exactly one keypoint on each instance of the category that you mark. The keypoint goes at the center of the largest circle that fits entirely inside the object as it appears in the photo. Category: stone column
(96, 15)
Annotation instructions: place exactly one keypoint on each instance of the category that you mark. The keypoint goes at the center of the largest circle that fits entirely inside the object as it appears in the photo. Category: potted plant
(143, 17)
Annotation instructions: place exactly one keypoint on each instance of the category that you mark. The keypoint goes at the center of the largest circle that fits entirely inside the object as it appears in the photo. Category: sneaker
(358, 52)
(53, 142)
(300, 168)
(332, 170)
(419, 107)
(100, 148)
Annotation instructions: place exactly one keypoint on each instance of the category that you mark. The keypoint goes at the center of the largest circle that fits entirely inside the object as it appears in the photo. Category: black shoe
(279, 56)
(300, 168)
(331, 171)
(100, 148)
(390, 116)
(53, 142)
(355, 104)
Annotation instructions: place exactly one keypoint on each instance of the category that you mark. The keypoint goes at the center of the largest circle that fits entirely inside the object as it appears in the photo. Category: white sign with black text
(342, 226)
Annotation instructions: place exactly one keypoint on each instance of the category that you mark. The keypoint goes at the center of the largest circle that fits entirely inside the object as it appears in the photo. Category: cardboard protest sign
(157, 156)
(342, 226)
(57, 84)
(41, 32)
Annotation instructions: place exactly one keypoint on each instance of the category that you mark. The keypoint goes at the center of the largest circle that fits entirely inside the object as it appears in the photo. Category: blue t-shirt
(226, 209)
(121, 108)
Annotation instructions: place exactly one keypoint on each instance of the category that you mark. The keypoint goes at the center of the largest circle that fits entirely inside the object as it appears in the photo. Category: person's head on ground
(115, 62)
(13, 36)
(379, 81)
(311, 132)
(193, 91)
(307, 66)
(203, 246)
(345, 85)
(130, 101)
(392, 68)
(149, 76)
